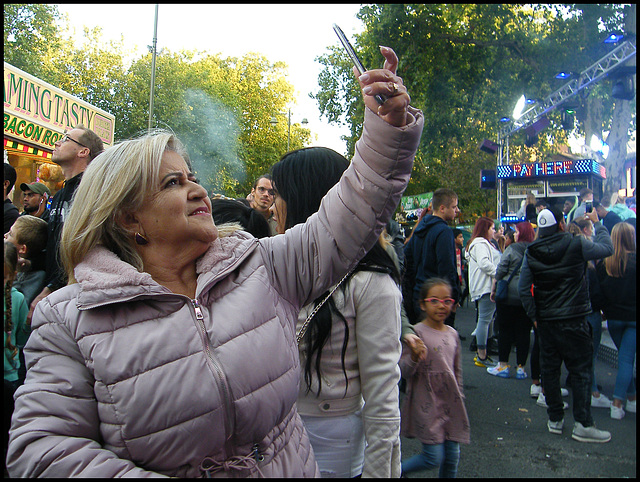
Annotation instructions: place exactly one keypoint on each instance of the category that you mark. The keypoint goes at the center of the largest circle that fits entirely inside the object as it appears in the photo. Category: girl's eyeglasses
(435, 301)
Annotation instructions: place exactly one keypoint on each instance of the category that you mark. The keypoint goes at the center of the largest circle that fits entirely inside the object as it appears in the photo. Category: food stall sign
(39, 113)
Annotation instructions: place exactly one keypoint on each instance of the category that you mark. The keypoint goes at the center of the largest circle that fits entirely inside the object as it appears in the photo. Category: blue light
(563, 75)
(511, 218)
(614, 38)
(505, 119)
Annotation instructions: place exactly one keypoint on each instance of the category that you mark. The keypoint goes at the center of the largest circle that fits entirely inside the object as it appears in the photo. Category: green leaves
(220, 108)
(465, 65)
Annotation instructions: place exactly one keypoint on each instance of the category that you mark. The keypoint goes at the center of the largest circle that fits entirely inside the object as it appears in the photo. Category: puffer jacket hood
(104, 278)
(559, 273)
(428, 222)
(551, 249)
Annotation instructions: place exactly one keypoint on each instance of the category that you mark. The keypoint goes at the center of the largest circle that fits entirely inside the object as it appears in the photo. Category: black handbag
(502, 286)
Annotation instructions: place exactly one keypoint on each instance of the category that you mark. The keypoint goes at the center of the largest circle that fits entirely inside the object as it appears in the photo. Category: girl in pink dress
(433, 410)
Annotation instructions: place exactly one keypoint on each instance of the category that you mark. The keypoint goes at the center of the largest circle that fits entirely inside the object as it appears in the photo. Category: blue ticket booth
(553, 181)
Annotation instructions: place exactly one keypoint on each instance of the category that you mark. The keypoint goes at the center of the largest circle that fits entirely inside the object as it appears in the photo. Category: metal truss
(596, 72)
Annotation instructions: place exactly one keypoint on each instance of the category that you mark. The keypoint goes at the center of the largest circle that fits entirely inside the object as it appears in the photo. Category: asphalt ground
(509, 435)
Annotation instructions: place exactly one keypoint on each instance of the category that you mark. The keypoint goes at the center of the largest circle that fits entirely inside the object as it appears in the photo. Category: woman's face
(460, 240)
(516, 235)
(588, 230)
(491, 233)
(178, 213)
(279, 210)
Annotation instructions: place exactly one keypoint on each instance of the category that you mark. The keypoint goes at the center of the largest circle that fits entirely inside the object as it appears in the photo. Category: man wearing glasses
(72, 152)
(261, 199)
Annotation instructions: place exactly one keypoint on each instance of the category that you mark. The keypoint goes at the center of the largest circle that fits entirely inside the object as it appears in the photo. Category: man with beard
(261, 198)
(35, 200)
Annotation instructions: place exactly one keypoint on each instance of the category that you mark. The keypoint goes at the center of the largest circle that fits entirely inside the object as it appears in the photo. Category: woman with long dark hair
(350, 350)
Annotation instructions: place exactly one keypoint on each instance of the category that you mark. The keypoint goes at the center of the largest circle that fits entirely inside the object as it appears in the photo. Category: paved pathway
(509, 436)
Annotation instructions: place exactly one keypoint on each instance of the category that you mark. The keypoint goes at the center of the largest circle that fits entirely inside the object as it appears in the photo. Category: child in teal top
(15, 314)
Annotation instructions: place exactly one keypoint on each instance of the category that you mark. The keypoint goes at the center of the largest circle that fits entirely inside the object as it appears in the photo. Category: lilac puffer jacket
(129, 379)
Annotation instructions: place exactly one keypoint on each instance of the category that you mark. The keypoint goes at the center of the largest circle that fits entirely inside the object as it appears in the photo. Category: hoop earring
(140, 239)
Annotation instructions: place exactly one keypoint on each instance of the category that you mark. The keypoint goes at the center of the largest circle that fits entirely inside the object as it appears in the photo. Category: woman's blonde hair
(115, 183)
(623, 238)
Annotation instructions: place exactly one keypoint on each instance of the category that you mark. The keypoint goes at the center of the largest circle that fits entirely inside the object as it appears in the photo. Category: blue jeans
(623, 334)
(486, 308)
(446, 456)
(595, 320)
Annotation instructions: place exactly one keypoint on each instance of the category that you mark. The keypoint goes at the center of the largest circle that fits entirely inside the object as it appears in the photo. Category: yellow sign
(39, 113)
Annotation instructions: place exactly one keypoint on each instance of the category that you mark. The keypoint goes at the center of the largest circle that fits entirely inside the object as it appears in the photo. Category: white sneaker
(555, 427)
(617, 413)
(600, 402)
(631, 406)
(589, 434)
(543, 402)
(535, 390)
(564, 392)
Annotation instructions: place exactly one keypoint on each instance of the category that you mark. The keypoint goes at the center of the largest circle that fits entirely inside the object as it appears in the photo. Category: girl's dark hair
(430, 283)
(231, 210)
(302, 178)
(10, 265)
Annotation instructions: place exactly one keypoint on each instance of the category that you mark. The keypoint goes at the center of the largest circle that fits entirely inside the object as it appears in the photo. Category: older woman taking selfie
(173, 351)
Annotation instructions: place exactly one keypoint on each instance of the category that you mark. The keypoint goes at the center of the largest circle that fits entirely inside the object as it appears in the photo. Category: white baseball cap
(546, 219)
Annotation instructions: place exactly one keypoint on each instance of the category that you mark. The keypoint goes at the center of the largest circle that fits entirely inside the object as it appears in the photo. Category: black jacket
(11, 213)
(619, 294)
(60, 206)
(430, 253)
(556, 265)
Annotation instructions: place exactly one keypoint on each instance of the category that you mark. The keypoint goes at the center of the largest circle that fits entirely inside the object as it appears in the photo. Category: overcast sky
(295, 34)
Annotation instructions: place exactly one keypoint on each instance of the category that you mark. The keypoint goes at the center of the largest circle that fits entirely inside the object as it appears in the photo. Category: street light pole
(153, 67)
(274, 121)
(289, 132)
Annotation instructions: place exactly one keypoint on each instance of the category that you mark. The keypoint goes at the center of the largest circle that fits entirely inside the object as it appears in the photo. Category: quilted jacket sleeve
(56, 430)
(311, 257)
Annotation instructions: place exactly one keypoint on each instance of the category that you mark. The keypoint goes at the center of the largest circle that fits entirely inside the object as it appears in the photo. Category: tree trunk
(618, 137)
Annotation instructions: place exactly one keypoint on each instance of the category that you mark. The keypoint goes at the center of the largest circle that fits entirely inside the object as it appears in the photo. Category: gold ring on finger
(395, 89)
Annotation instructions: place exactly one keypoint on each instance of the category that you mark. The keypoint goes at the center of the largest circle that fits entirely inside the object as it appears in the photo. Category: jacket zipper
(217, 370)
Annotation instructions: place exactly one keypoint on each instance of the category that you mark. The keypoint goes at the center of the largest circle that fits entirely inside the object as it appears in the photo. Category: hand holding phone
(354, 58)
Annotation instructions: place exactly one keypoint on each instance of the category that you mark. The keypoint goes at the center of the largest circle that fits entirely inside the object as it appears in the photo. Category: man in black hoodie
(431, 253)
(556, 265)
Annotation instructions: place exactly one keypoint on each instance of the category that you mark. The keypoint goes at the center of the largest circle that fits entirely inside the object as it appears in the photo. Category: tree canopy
(219, 107)
(465, 66)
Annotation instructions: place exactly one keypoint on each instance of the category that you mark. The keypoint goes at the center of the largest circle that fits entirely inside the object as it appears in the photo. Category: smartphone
(588, 206)
(354, 58)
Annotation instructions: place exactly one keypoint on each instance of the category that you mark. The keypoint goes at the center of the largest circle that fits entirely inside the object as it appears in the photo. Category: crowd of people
(154, 328)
